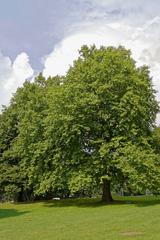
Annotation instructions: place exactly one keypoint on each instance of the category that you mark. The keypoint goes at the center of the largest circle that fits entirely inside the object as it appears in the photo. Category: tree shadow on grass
(145, 202)
(6, 213)
(139, 201)
(80, 202)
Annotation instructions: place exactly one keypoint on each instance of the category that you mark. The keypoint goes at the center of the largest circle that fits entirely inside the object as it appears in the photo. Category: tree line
(92, 130)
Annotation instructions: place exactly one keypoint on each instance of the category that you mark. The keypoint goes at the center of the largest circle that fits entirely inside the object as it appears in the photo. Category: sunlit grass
(86, 219)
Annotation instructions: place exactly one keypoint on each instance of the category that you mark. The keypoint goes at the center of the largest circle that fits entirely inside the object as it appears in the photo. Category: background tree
(9, 173)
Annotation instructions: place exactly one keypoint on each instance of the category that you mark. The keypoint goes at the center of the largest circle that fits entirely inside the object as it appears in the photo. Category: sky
(45, 35)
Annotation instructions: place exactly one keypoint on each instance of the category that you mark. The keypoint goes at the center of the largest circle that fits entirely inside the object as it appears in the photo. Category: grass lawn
(85, 219)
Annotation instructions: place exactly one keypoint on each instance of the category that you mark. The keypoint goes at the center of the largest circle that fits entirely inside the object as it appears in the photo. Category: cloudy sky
(44, 35)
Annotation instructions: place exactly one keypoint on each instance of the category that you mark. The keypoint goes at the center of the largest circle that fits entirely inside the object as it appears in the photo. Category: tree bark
(106, 196)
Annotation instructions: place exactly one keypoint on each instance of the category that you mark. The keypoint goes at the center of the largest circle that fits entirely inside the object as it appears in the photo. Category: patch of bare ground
(132, 233)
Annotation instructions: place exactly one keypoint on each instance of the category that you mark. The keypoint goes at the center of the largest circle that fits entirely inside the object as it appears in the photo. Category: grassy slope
(86, 219)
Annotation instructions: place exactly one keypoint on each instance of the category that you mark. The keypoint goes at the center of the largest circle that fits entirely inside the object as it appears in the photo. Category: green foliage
(106, 105)
(155, 140)
(67, 134)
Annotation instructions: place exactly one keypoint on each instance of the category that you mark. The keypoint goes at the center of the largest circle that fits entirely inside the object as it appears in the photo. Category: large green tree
(89, 129)
(99, 122)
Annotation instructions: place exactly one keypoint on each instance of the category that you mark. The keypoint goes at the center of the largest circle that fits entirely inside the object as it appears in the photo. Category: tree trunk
(106, 197)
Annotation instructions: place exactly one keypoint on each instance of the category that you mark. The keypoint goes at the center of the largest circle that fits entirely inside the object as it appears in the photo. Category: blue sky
(34, 26)
(45, 35)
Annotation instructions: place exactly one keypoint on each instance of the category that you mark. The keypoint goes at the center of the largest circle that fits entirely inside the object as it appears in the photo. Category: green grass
(85, 219)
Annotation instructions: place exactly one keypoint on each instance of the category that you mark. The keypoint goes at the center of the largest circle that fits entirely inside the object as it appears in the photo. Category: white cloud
(63, 55)
(143, 41)
(137, 30)
(13, 75)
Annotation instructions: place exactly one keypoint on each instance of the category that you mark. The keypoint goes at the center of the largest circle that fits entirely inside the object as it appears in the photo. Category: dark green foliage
(155, 140)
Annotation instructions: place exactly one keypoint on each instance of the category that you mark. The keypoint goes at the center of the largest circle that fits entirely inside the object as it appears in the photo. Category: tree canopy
(90, 128)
